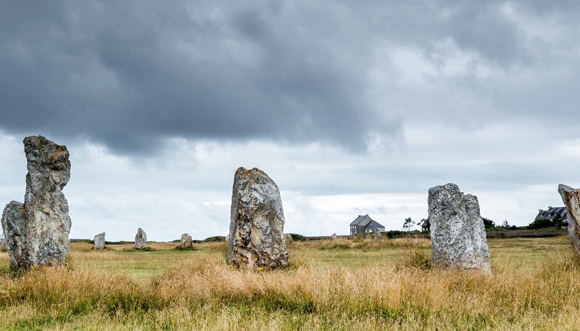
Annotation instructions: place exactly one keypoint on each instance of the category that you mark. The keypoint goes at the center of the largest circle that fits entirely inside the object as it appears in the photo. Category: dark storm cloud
(129, 74)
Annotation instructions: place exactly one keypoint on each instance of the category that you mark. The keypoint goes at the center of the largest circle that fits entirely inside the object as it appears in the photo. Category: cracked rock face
(99, 241)
(186, 241)
(256, 238)
(377, 234)
(37, 231)
(140, 239)
(571, 199)
(457, 230)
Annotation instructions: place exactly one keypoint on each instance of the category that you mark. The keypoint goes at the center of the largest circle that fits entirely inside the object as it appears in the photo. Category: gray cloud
(132, 74)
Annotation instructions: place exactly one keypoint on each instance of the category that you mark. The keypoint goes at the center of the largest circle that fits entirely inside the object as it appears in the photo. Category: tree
(488, 223)
(558, 221)
(505, 224)
(541, 223)
(425, 225)
(408, 224)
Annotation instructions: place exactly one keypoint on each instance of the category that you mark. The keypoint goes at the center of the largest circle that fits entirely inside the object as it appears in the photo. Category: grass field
(330, 285)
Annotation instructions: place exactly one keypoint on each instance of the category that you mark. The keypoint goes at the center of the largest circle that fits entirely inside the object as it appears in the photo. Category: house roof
(374, 224)
(366, 221)
(552, 212)
(358, 219)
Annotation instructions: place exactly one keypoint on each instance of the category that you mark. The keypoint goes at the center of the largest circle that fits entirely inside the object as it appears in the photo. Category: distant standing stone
(571, 198)
(140, 239)
(377, 234)
(334, 236)
(288, 238)
(457, 230)
(36, 232)
(257, 222)
(186, 241)
(99, 241)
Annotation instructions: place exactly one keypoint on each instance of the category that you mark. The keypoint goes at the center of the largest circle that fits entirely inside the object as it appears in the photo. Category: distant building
(364, 224)
(552, 212)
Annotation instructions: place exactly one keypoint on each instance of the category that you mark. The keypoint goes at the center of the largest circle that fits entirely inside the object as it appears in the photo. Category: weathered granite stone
(334, 236)
(288, 238)
(140, 239)
(37, 231)
(257, 222)
(571, 198)
(457, 230)
(377, 234)
(186, 241)
(15, 235)
(99, 241)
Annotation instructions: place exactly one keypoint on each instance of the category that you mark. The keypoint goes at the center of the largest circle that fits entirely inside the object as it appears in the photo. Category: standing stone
(36, 232)
(15, 236)
(571, 198)
(457, 230)
(257, 222)
(99, 241)
(140, 239)
(288, 238)
(377, 234)
(186, 241)
(334, 236)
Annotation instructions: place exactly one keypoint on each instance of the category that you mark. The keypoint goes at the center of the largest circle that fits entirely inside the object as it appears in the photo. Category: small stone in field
(99, 241)
(377, 234)
(140, 239)
(186, 241)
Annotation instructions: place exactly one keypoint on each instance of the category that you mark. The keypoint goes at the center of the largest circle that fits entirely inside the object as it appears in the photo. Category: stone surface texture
(288, 238)
(15, 235)
(186, 241)
(334, 236)
(457, 230)
(140, 239)
(256, 238)
(571, 199)
(37, 231)
(99, 241)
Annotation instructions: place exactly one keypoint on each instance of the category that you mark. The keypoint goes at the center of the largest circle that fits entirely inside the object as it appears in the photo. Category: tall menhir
(457, 230)
(37, 231)
(256, 238)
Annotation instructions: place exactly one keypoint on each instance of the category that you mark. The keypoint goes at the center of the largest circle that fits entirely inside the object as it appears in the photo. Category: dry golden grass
(329, 286)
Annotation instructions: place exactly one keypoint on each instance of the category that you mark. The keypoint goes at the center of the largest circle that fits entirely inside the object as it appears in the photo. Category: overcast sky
(351, 107)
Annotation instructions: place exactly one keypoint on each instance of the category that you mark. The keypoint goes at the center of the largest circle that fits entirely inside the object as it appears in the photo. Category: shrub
(214, 239)
(541, 223)
(297, 237)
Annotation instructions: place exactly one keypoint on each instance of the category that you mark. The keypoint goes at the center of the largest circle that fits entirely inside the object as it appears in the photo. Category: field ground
(342, 285)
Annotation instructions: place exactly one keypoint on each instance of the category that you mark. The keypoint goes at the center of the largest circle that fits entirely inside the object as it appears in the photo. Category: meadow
(330, 285)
